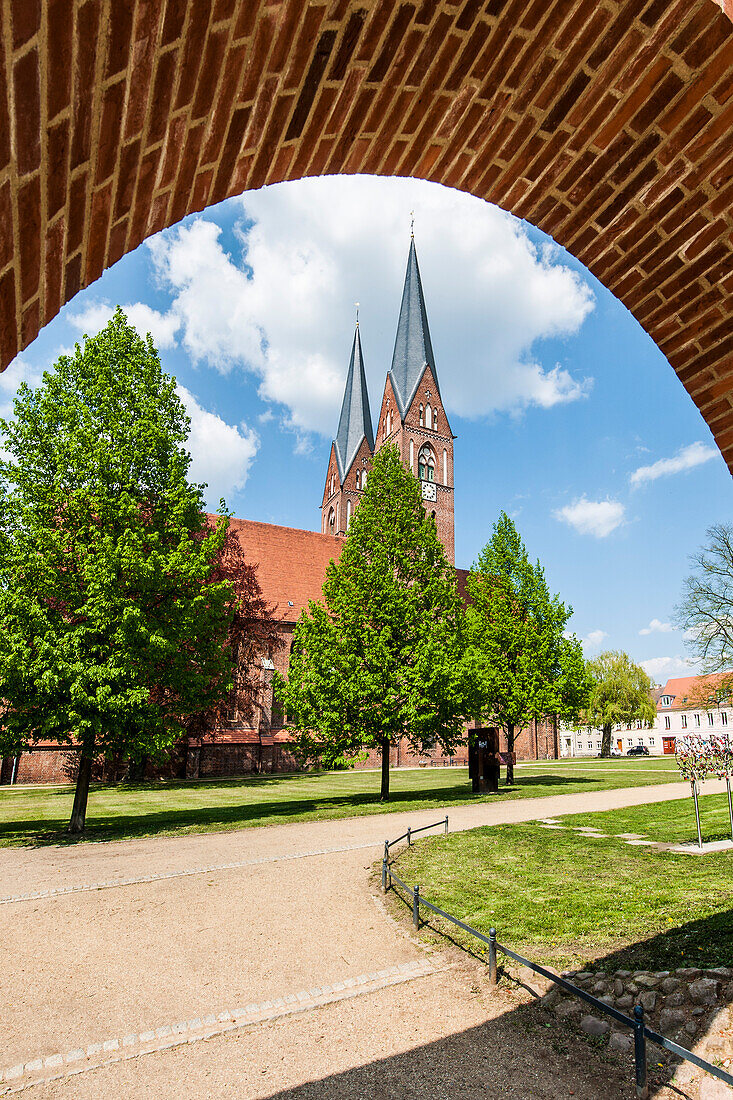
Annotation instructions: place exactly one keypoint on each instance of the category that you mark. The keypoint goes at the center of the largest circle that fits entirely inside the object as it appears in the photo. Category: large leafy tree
(380, 658)
(621, 693)
(706, 609)
(520, 664)
(113, 609)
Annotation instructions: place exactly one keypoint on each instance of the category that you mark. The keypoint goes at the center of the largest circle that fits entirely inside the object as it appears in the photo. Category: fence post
(384, 876)
(416, 907)
(642, 1089)
(492, 956)
(446, 824)
(409, 833)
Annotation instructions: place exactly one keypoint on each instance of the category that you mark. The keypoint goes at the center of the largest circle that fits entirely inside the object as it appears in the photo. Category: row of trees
(393, 652)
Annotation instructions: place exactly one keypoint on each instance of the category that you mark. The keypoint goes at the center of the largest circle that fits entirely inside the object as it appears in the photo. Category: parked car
(637, 750)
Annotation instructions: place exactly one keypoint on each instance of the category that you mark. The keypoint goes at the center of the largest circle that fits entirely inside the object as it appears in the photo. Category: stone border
(111, 884)
(54, 1067)
(639, 839)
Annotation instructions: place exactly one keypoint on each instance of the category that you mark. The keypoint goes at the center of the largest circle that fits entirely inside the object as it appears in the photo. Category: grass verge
(559, 897)
(40, 815)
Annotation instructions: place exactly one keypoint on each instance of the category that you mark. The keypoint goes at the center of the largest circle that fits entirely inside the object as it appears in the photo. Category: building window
(723, 718)
(426, 464)
(358, 479)
(651, 740)
(684, 721)
(697, 719)
(363, 480)
(445, 467)
(422, 417)
(638, 723)
(435, 420)
(348, 514)
(412, 456)
(710, 718)
(667, 722)
(428, 417)
(331, 520)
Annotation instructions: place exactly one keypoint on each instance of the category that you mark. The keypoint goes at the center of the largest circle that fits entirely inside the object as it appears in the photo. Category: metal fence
(636, 1024)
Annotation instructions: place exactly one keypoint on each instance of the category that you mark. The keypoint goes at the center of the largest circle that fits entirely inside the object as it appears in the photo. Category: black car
(637, 750)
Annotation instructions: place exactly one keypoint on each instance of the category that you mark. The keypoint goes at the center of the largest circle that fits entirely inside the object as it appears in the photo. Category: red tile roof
(685, 690)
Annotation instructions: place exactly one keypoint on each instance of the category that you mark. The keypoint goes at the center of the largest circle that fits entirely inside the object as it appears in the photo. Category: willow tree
(380, 658)
(621, 693)
(114, 615)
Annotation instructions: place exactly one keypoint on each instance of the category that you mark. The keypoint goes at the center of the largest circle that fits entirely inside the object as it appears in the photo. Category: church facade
(291, 563)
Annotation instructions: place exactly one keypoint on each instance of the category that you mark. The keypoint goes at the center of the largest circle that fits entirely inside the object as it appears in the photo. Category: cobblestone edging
(681, 1004)
(38, 1071)
(111, 884)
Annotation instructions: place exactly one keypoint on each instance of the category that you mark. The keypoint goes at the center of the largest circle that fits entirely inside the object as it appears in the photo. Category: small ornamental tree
(520, 666)
(620, 694)
(380, 658)
(114, 613)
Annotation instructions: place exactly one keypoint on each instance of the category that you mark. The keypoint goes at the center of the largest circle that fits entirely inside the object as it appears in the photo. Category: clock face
(428, 490)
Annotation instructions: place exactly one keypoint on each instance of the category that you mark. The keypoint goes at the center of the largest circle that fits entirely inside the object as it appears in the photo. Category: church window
(445, 467)
(363, 480)
(428, 417)
(422, 417)
(435, 420)
(412, 456)
(358, 479)
(426, 464)
(348, 514)
(331, 520)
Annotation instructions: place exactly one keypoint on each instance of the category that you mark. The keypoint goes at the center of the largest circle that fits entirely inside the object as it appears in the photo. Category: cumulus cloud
(282, 306)
(222, 453)
(664, 668)
(687, 458)
(161, 326)
(657, 627)
(20, 370)
(594, 639)
(592, 517)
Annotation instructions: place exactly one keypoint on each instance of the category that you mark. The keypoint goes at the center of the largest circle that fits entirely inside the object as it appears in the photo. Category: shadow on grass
(171, 820)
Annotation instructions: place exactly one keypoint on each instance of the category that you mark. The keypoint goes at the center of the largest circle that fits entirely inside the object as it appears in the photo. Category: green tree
(114, 620)
(380, 658)
(519, 663)
(706, 610)
(620, 694)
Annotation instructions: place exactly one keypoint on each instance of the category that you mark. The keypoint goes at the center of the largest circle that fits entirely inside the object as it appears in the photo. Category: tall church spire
(413, 350)
(355, 422)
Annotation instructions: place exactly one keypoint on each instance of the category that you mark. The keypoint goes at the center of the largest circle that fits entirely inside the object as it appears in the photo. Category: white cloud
(284, 309)
(686, 459)
(664, 668)
(657, 627)
(161, 326)
(222, 453)
(18, 371)
(592, 517)
(594, 639)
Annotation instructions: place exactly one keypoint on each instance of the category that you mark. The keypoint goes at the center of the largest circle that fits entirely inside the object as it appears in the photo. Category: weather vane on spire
(357, 313)
(412, 223)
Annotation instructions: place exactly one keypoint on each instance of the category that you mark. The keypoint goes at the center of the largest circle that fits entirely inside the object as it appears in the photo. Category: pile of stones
(678, 1003)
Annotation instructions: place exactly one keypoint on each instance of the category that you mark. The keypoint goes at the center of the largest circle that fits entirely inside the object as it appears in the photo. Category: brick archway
(606, 123)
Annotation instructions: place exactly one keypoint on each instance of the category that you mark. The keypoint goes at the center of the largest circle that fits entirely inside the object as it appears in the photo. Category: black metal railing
(636, 1024)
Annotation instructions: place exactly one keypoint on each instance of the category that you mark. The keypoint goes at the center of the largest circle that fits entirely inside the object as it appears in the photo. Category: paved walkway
(123, 949)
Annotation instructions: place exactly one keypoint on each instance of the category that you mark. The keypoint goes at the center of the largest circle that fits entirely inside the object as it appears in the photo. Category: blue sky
(566, 414)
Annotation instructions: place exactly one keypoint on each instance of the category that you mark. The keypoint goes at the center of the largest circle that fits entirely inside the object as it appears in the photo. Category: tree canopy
(519, 663)
(705, 612)
(114, 611)
(380, 658)
(621, 693)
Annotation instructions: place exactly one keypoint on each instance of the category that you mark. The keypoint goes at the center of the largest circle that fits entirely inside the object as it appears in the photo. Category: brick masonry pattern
(604, 122)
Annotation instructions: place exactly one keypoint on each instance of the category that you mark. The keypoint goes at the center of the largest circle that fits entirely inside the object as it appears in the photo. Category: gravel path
(295, 915)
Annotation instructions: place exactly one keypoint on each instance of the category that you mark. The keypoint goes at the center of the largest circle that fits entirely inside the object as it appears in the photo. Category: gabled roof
(355, 422)
(689, 691)
(413, 350)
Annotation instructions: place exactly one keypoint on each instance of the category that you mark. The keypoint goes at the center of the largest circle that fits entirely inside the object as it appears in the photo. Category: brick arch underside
(607, 123)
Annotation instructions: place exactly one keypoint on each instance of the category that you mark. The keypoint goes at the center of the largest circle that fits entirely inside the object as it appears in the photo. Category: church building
(291, 563)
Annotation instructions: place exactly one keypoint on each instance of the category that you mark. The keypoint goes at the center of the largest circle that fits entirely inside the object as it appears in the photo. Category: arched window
(331, 520)
(412, 456)
(428, 417)
(422, 417)
(363, 480)
(445, 467)
(435, 420)
(426, 464)
(358, 479)
(348, 514)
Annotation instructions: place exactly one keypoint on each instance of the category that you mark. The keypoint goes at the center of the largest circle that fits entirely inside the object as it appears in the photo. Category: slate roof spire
(355, 422)
(413, 350)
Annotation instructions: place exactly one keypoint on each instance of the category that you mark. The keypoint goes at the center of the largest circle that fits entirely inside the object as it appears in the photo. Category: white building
(693, 705)
(587, 742)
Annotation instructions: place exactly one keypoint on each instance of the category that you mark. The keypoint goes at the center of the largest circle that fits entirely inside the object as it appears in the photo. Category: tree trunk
(81, 794)
(384, 793)
(510, 759)
(606, 741)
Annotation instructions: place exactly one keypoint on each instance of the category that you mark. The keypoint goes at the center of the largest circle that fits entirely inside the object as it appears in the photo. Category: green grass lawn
(554, 895)
(40, 815)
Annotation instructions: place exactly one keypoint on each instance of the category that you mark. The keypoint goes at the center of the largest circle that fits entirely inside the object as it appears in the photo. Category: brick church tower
(412, 413)
(351, 450)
